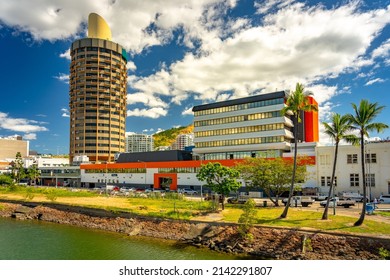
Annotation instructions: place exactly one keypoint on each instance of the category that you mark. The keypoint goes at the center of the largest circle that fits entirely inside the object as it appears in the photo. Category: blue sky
(186, 53)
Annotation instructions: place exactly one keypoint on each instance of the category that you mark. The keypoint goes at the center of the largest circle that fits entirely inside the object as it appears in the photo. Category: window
(370, 158)
(324, 159)
(322, 181)
(352, 158)
(354, 179)
(370, 180)
(325, 181)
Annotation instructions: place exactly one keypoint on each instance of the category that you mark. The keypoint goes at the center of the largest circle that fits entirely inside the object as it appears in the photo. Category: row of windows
(354, 180)
(351, 159)
(242, 155)
(93, 151)
(179, 170)
(240, 107)
(240, 118)
(325, 181)
(239, 130)
(237, 142)
(116, 170)
(51, 172)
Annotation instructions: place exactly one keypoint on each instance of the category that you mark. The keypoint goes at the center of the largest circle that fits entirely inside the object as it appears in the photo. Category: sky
(184, 53)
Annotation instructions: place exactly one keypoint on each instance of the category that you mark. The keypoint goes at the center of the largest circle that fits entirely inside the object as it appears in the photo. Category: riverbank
(267, 242)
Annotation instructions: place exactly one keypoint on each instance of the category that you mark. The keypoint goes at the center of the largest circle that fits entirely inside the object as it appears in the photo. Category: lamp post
(201, 185)
(105, 177)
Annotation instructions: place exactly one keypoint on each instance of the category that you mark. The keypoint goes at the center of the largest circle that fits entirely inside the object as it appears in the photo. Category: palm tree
(337, 130)
(362, 121)
(296, 103)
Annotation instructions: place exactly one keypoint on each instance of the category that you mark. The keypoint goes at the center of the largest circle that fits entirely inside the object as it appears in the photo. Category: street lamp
(201, 185)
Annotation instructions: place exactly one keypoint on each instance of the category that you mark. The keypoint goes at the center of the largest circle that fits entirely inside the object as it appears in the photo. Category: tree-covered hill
(167, 137)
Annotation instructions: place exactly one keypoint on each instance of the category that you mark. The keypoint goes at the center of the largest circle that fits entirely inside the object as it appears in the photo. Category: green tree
(5, 179)
(18, 172)
(247, 219)
(221, 179)
(337, 130)
(271, 175)
(362, 121)
(297, 103)
(33, 173)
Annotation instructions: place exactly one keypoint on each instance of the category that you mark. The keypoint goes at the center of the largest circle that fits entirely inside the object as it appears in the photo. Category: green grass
(176, 207)
(310, 220)
(59, 192)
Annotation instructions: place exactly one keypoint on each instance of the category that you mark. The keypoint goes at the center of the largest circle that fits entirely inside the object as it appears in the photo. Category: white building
(182, 141)
(348, 170)
(136, 143)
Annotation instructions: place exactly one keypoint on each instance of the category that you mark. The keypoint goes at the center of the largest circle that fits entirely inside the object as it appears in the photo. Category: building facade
(348, 177)
(182, 141)
(9, 146)
(136, 143)
(249, 127)
(98, 83)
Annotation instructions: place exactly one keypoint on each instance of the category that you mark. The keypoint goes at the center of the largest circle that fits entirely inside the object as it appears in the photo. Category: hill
(167, 137)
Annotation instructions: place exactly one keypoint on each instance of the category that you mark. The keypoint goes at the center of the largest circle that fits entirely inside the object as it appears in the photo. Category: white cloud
(20, 124)
(295, 44)
(228, 57)
(153, 113)
(383, 51)
(187, 111)
(63, 78)
(66, 54)
(65, 113)
(30, 136)
(373, 81)
(131, 66)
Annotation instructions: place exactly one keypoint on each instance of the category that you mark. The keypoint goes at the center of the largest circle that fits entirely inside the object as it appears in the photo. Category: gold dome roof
(98, 27)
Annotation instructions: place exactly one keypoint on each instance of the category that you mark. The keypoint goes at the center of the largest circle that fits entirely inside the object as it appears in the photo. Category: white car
(188, 191)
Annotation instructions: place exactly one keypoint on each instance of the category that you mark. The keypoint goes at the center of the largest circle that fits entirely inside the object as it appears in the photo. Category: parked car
(188, 191)
(384, 199)
(126, 189)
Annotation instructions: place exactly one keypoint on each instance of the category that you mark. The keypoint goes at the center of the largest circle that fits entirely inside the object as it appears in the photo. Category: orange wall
(173, 176)
(311, 124)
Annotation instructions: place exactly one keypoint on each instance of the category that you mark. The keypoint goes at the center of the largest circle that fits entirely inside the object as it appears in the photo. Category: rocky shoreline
(267, 242)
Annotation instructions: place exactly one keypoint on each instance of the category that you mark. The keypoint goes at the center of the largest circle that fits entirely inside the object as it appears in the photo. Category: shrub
(247, 219)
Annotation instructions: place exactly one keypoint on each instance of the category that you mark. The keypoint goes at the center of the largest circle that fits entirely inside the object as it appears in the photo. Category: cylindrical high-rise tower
(98, 94)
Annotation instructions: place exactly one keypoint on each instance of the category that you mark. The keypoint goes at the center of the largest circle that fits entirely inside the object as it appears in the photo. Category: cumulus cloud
(20, 124)
(294, 44)
(225, 57)
(66, 54)
(153, 113)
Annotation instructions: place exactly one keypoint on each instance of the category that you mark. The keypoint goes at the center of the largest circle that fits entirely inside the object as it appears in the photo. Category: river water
(39, 240)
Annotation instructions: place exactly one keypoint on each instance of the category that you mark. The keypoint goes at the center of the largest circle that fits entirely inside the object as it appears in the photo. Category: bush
(247, 219)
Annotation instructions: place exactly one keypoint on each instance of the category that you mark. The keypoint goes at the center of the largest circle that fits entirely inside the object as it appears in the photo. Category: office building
(250, 127)
(136, 143)
(98, 80)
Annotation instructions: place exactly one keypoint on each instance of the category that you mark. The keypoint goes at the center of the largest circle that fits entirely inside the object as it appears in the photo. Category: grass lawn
(179, 208)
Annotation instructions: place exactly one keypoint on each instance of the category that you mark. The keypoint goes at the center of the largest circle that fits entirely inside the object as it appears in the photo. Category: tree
(362, 121)
(271, 175)
(33, 173)
(221, 179)
(17, 168)
(337, 130)
(296, 103)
